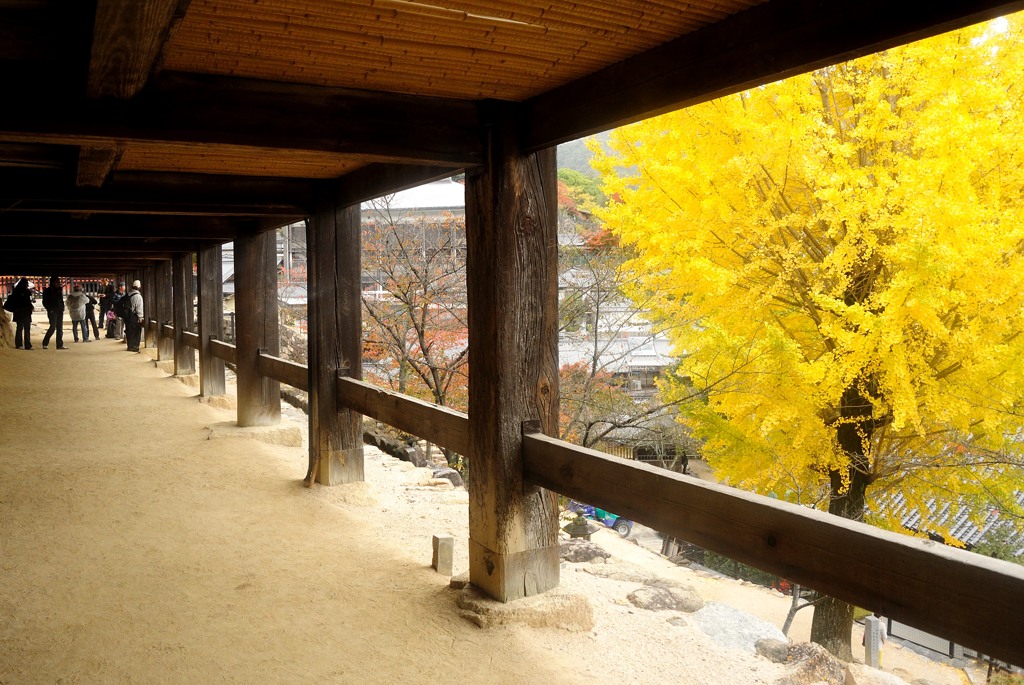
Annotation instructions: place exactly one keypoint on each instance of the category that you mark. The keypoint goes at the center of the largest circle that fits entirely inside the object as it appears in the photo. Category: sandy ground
(144, 539)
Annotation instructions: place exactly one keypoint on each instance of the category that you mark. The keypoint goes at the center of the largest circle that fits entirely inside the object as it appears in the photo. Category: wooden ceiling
(134, 129)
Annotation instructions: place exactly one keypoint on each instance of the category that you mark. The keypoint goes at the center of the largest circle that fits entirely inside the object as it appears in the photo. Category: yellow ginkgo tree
(841, 256)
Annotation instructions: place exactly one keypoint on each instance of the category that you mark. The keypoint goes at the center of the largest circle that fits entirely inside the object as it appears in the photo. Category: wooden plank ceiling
(134, 129)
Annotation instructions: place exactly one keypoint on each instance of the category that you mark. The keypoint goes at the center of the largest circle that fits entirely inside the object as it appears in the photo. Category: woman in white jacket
(76, 310)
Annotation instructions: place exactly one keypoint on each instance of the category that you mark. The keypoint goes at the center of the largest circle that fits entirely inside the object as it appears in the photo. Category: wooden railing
(974, 600)
(223, 350)
(442, 426)
(950, 592)
(290, 373)
(191, 339)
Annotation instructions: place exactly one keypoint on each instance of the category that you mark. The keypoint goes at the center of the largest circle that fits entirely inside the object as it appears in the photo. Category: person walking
(20, 304)
(76, 308)
(135, 317)
(53, 301)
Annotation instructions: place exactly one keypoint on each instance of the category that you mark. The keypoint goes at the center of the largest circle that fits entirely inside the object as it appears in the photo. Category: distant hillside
(575, 155)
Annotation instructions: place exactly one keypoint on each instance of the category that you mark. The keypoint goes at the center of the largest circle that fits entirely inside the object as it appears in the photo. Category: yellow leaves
(859, 225)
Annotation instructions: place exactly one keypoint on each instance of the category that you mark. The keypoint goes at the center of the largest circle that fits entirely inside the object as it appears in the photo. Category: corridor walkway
(136, 549)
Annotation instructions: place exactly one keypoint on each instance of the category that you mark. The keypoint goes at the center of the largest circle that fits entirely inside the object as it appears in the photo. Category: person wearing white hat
(135, 317)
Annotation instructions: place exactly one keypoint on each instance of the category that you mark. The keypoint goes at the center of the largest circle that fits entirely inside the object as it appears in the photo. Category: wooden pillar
(335, 344)
(148, 278)
(259, 398)
(184, 296)
(513, 341)
(164, 309)
(211, 320)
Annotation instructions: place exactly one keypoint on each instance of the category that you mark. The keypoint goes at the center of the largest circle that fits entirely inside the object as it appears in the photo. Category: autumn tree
(841, 255)
(416, 339)
(601, 330)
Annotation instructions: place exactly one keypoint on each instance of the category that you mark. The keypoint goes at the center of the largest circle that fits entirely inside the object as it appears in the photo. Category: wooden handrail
(167, 330)
(949, 592)
(190, 339)
(934, 587)
(290, 373)
(440, 425)
(223, 351)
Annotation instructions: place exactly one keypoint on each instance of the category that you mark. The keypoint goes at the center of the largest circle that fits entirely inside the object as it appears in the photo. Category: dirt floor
(145, 539)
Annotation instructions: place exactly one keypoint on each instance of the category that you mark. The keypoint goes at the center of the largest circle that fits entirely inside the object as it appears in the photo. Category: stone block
(556, 608)
(444, 554)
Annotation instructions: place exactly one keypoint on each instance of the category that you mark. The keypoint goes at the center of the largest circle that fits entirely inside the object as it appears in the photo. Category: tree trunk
(832, 624)
(794, 606)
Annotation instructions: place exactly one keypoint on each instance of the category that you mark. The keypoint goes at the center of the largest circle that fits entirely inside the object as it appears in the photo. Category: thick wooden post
(148, 278)
(164, 309)
(184, 296)
(335, 344)
(259, 398)
(513, 341)
(211, 320)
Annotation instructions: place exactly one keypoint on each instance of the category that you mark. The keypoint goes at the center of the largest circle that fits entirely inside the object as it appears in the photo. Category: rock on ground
(812, 664)
(576, 551)
(666, 599)
(859, 674)
(732, 628)
(776, 651)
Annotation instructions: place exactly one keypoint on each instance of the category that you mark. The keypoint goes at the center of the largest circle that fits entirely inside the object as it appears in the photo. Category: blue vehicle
(614, 521)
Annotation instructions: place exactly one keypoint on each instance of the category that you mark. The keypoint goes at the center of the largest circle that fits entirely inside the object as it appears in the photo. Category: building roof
(965, 524)
(438, 196)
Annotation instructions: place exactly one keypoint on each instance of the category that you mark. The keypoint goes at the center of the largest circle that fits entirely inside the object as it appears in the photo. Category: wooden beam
(128, 37)
(64, 225)
(939, 589)
(152, 193)
(259, 397)
(442, 426)
(184, 317)
(41, 45)
(512, 266)
(766, 43)
(95, 164)
(69, 264)
(247, 116)
(335, 344)
(149, 247)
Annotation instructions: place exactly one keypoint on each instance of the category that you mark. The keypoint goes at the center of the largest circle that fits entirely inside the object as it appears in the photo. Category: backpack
(123, 307)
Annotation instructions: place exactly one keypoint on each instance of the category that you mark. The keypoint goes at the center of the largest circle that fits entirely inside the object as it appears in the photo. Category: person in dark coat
(115, 327)
(53, 301)
(106, 300)
(90, 314)
(20, 304)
